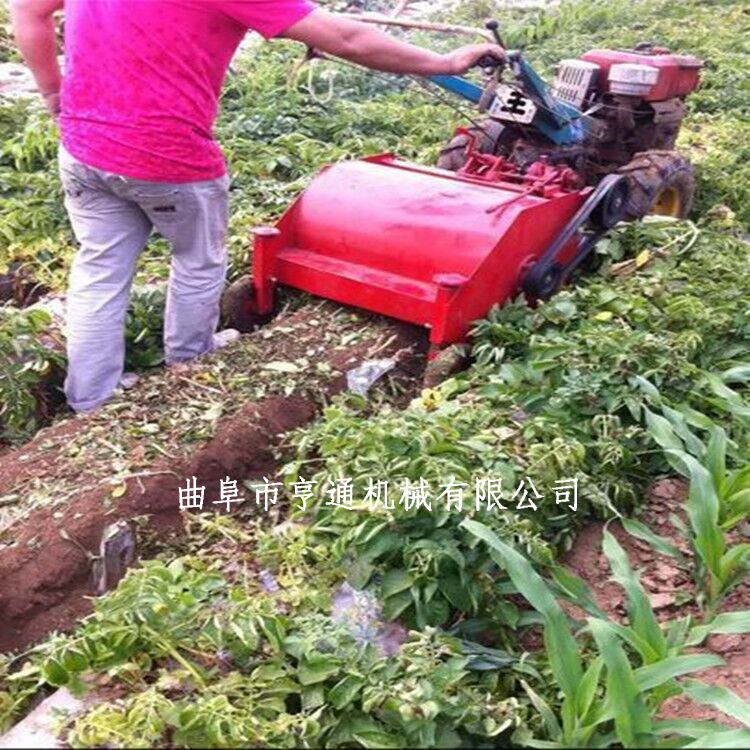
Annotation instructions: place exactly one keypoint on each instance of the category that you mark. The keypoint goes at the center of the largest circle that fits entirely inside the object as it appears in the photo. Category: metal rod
(443, 28)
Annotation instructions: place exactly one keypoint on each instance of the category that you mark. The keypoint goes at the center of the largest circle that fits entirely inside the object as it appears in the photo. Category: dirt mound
(45, 577)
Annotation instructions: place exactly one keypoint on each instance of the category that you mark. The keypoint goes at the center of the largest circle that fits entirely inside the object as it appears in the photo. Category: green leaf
(395, 581)
(703, 511)
(394, 606)
(687, 727)
(731, 738)
(587, 687)
(738, 374)
(456, 593)
(659, 543)
(642, 618)
(379, 739)
(576, 590)
(632, 718)
(54, 673)
(317, 668)
(654, 675)
(562, 648)
(662, 431)
(719, 697)
(726, 623)
(548, 716)
(716, 457)
(344, 692)
(734, 563)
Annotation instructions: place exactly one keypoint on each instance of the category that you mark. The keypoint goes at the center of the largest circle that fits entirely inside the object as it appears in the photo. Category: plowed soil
(209, 420)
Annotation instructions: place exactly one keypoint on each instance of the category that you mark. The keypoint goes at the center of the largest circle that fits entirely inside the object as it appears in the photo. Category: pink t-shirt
(143, 77)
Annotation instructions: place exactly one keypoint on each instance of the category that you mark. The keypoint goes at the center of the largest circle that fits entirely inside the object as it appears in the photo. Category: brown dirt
(18, 288)
(44, 578)
(670, 591)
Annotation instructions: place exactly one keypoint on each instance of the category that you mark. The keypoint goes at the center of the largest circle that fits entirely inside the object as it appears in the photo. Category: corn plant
(673, 433)
(612, 693)
(718, 500)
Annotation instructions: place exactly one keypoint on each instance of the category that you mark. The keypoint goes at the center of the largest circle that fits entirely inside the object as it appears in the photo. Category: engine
(634, 101)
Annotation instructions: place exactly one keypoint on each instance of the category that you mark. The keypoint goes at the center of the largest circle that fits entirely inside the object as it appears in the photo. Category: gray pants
(112, 218)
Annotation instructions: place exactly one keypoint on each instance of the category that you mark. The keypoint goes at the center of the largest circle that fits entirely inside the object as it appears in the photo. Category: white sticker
(512, 105)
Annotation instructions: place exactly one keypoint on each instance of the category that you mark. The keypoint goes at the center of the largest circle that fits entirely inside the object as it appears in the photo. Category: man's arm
(34, 29)
(372, 48)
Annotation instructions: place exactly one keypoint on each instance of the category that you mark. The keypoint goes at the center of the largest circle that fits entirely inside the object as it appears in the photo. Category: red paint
(678, 74)
(419, 244)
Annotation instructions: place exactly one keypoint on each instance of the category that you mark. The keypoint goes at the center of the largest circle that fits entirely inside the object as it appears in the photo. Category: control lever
(488, 61)
(494, 27)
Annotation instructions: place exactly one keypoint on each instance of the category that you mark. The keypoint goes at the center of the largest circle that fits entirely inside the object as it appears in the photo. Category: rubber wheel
(661, 183)
(238, 305)
(453, 156)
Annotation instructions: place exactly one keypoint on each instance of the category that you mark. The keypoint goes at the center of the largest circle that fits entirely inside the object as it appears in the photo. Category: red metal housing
(678, 74)
(422, 245)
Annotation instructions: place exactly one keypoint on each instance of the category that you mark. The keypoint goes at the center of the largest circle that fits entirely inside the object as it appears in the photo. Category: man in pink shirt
(136, 108)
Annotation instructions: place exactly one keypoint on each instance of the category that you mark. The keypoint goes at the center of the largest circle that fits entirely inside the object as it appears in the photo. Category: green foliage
(201, 652)
(718, 499)
(8, 51)
(26, 363)
(144, 328)
(429, 566)
(216, 663)
(637, 664)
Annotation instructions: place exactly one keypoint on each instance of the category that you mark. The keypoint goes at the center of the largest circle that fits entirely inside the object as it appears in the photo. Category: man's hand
(52, 102)
(363, 44)
(462, 60)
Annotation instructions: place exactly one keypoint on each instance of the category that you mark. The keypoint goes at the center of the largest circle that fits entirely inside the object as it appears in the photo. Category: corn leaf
(654, 675)
(719, 697)
(548, 716)
(576, 590)
(562, 649)
(733, 564)
(703, 511)
(587, 687)
(716, 458)
(687, 727)
(660, 544)
(642, 618)
(726, 623)
(632, 719)
(731, 738)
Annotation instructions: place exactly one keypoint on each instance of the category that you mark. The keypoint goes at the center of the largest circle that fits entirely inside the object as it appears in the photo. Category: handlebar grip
(488, 61)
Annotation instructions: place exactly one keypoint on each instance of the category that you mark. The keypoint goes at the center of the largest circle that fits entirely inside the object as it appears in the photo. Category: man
(136, 108)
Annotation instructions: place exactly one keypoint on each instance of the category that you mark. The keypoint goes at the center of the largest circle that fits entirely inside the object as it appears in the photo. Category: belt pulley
(604, 208)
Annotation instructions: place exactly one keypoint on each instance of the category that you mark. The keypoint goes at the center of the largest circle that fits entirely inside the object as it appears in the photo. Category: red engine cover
(678, 74)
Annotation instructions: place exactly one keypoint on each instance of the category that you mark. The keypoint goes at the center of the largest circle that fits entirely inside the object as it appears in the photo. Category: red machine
(519, 201)
(429, 246)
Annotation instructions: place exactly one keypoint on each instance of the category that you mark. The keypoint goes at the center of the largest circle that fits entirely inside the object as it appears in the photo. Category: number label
(512, 105)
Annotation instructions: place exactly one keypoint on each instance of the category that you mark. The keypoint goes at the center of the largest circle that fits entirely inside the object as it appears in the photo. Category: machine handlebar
(494, 27)
(488, 61)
